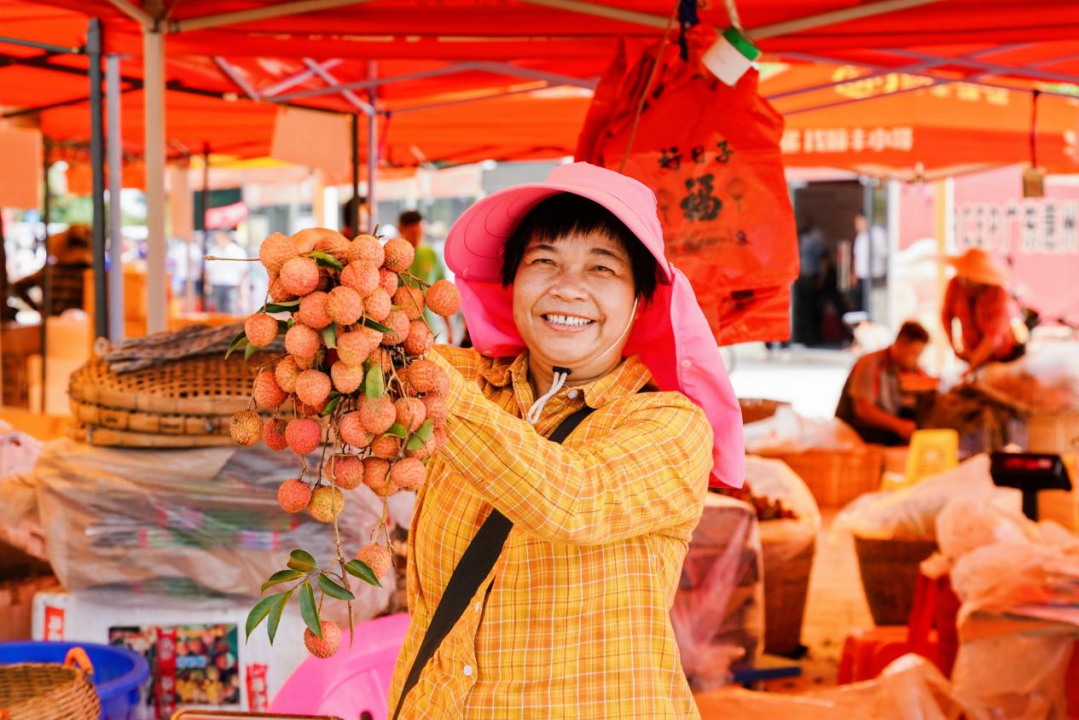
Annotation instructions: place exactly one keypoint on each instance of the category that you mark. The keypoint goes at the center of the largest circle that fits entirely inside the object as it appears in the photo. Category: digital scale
(1030, 473)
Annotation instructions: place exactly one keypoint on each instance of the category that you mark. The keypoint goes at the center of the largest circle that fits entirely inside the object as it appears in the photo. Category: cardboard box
(16, 605)
(197, 653)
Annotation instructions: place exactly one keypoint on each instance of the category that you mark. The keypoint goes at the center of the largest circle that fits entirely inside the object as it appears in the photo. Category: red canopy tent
(396, 55)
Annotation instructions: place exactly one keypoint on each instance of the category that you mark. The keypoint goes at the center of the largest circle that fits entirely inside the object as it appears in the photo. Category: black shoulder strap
(473, 568)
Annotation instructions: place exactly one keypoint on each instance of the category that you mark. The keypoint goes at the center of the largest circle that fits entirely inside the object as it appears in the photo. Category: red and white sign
(227, 217)
(54, 623)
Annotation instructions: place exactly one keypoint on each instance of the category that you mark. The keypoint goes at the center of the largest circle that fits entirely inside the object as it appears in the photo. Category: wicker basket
(185, 403)
(889, 570)
(757, 409)
(835, 477)
(786, 585)
(46, 692)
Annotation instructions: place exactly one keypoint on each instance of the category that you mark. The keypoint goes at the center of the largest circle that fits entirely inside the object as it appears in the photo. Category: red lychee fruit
(273, 434)
(378, 305)
(286, 373)
(261, 329)
(346, 471)
(408, 474)
(409, 300)
(246, 427)
(398, 325)
(267, 393)
(443, 298)
(377, 414)
(305, 240)
(293, 496)
(399, 255)
(346, 378)
(423, 376)
(303, 435)
(313, 387)
(354, 347)
(411, 412)
(351, 431)
(344, 306)
(376, 557)
(312, 312)
(366, 249)
(386, 446)
(432, 447)
(437, 410)
(388, 281)
(300, 275)
(275, 251)
(332, 242)
(420, 339)
(325, 646)
(302, 342)
(361, 277)
(376, 475)
(326, 504)
(278, 291)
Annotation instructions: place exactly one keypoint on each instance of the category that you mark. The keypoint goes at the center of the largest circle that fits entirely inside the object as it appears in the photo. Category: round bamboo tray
(757, 409)
(889, 570)
(46, 692)
(204, 385)
(107, 437)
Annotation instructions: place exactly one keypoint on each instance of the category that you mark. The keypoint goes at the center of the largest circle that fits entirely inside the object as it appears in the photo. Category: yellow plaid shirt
(573, 621)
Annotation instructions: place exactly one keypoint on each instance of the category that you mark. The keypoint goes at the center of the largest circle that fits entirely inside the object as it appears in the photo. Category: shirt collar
(629, 377)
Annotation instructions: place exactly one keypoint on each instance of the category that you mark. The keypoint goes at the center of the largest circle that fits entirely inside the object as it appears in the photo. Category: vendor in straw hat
(977, 297)
(576, 317)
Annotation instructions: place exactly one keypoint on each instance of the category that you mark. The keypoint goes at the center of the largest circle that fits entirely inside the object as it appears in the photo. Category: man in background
(69, 258)
(814, 264)
(871, 266)
(225, 276)
(880, 397)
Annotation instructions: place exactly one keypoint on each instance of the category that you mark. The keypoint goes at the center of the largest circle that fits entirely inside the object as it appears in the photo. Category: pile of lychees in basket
(354, 382)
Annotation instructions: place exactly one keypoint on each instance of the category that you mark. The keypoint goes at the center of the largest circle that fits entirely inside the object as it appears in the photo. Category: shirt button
(686, 364)
(467, 671)
(573, 394)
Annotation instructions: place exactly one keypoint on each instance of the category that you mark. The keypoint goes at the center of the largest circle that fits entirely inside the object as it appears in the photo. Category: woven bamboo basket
(889, 570)
(835, 477)
(757, 409)
(184, 403)
(46, 692)
(786, 586)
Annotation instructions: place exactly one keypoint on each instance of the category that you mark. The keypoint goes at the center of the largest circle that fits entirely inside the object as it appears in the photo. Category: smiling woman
(548, 540)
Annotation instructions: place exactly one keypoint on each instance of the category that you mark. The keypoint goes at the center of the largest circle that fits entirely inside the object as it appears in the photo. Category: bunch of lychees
(356, 379)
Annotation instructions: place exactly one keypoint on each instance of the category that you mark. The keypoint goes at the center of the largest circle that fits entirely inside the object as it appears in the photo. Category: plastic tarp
(911, 513)
(718, 611)
(789, 432)
(784, 539)
(188, 522)
(1044, 381)
(1004, 566)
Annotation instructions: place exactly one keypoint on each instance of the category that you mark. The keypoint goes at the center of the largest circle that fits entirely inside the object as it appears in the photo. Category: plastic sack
(18, 451)
(712, 155)
(718, 611)
(185, 522)
(911, 513)
(784, 539)
(1045, 380)
(911, 688)
(787, 431)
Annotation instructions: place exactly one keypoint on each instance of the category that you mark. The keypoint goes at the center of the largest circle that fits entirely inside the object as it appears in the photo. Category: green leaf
(377, 326)
(308, 609)
(359, 569)
(279, 307)
(330, 407)
(249, 351)
(283, 326)
(374, 386)
(333, 589)
(237, 342)
(326, 260)
(329, 335)
(281, 576)
(421, 436)
(302, 560)
(259, 613)
(398, 431)
(275, 613)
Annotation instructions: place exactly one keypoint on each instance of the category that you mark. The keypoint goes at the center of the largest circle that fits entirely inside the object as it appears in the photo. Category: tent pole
(262, 13)
(354, 207)
(372, 148)
(97, 160)
(116, 247)
(154, 153)
(46, 284)
(205, 223)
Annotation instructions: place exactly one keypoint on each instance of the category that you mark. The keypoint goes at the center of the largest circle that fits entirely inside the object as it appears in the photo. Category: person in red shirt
(987, 313)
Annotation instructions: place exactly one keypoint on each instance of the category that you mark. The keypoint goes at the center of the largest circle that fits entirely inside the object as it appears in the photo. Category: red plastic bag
(711, 154)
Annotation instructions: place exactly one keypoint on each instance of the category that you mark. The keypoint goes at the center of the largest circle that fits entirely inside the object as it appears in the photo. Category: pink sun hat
(672, 336)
